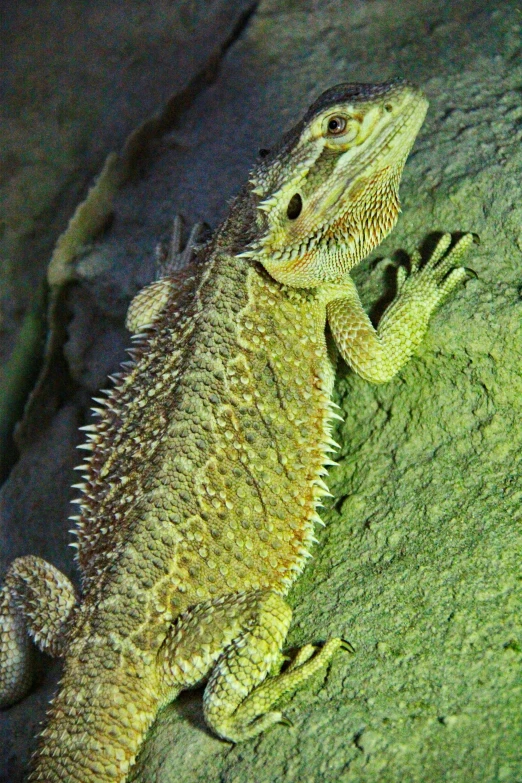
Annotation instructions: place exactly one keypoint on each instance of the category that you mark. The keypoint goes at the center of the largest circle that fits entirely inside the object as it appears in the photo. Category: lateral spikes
(76, 530)
(330, 445)
(95, 447)
(321, 489)
(85, 466)
(103, 404)
(86, 488)
(302, 551)
(94, 450)
(93, 434)
(106, 408)
(301, 548)
(296, 567)
(81, 531)
(332, 411)
(140, 342)
(141, 337)
(327, 446)
(79, 520)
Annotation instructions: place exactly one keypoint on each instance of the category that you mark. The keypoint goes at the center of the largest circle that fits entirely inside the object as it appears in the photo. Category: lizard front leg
(36, 601)
(175, 274)
(378, 354)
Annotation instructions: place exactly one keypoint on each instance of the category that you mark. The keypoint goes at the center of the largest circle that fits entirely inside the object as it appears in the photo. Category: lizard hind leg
(238, 717)
(36, 601)
(238, 642)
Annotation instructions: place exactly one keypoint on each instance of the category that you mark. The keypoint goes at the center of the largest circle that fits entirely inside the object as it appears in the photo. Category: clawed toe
(176, 255)
(442, 272)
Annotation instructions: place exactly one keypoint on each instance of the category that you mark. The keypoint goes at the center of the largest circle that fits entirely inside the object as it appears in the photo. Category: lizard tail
(95, 731)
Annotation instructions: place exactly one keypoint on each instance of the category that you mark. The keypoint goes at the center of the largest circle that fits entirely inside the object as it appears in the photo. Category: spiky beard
(370, 211)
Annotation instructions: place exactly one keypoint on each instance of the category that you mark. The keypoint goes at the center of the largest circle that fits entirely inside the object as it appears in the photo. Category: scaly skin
(206, 466)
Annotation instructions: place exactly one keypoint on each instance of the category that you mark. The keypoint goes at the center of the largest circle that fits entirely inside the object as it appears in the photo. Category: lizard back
(213, 444)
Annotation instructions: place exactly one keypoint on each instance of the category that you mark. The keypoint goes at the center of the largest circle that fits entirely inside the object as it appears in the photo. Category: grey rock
(419, 565)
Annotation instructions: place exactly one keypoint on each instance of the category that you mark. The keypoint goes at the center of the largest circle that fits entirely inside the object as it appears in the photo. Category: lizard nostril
(295, 206)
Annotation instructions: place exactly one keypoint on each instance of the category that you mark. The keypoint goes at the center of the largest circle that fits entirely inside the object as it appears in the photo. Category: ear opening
(295, 205)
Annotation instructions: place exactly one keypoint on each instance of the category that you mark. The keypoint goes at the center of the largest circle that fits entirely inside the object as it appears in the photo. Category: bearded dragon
(206, 466)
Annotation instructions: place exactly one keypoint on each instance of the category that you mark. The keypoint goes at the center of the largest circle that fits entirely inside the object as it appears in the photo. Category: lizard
(205, 469)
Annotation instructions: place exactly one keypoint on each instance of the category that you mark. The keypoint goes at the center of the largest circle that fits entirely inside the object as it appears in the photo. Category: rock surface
(419, 566)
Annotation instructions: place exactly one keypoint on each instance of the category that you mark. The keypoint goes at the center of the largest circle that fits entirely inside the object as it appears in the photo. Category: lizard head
(328, 194)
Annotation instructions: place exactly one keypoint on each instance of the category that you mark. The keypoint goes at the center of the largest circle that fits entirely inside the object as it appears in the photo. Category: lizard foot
(173, 256)
(378, 354)
(254, 714)
(434, 282)
(174, 271)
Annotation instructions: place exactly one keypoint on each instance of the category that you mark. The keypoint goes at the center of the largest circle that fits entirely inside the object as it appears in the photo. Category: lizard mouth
(395, 142)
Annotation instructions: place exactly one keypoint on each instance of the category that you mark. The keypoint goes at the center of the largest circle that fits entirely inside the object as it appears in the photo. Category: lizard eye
(335, 125)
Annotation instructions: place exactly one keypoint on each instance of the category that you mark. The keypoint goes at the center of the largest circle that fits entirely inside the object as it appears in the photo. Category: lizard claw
(347, 646)
(176, 255)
